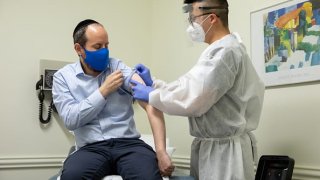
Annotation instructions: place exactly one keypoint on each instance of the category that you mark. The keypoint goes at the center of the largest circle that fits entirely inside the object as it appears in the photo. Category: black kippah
(191, 1)
(84, 23)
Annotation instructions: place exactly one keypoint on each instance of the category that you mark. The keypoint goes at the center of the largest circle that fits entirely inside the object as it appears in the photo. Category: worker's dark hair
(80, 31)
(221, 8)
(220, 2)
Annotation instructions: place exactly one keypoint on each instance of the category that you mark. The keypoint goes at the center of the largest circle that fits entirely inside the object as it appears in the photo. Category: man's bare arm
(157, 124)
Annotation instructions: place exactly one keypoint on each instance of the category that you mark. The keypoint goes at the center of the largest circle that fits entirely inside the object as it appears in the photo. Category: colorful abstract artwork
(292, 37)
(291, 41)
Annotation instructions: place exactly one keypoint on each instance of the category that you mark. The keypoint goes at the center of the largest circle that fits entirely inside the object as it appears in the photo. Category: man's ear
(213, 18)
(78, 49)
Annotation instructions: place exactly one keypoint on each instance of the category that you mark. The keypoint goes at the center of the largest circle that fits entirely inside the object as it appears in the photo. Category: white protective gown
(222, 95)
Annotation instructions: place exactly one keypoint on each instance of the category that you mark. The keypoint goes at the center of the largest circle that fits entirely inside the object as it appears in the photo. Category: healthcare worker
(222, 95)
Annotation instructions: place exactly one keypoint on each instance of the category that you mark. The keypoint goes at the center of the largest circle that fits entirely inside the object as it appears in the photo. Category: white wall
(152, 32)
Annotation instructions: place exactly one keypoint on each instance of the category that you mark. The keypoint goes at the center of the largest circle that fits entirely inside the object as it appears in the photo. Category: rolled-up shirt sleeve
(127, 74)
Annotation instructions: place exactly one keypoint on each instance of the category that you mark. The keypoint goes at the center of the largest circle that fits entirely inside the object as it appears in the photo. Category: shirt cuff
(96, 99)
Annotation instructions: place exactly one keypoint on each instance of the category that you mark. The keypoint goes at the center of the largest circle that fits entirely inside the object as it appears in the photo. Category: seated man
(93, 99)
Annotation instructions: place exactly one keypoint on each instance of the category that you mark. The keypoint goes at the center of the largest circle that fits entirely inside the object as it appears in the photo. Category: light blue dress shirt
(86, 112)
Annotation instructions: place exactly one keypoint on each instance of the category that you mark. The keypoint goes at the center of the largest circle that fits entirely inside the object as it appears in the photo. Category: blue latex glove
(144, 73)
(140, 91)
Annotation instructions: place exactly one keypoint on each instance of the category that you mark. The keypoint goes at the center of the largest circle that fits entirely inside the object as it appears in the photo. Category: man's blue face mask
(97, 60)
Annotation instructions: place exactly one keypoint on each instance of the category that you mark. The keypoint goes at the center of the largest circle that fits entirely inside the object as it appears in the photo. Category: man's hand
(164, 162)
(140, 91)
(144, 73)
(111, 83)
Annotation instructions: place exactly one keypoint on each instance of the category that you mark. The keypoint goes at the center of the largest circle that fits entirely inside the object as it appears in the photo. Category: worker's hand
(111, 83)
(165, 164)
(140, 91)
(144, 73)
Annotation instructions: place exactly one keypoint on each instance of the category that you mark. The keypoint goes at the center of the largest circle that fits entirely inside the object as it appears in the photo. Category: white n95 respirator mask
(196, 31)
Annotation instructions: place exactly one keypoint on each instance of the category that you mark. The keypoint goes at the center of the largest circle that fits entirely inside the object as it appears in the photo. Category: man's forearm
(156, 120)
(157, 124)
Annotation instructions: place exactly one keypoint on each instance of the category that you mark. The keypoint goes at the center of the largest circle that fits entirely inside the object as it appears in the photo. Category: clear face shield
(188, 8)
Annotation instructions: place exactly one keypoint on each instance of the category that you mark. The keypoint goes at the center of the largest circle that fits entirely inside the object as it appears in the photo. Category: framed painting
(285, 42)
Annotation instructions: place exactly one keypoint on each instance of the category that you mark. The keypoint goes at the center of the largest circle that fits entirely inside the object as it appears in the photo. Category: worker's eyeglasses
(189, 8)
(191, 18)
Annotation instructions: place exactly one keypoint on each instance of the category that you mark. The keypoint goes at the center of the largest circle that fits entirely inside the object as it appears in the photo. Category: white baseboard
(306, 173)
(30, 162)
(181, 162)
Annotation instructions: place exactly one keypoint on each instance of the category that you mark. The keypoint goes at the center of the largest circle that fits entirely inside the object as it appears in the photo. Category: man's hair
(79, 33)
(221, 8)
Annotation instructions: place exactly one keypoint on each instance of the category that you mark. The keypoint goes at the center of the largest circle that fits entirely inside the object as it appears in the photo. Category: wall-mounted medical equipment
(44, 86)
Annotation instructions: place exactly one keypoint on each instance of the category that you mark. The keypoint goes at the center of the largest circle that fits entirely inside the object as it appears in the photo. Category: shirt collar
(79, 69)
